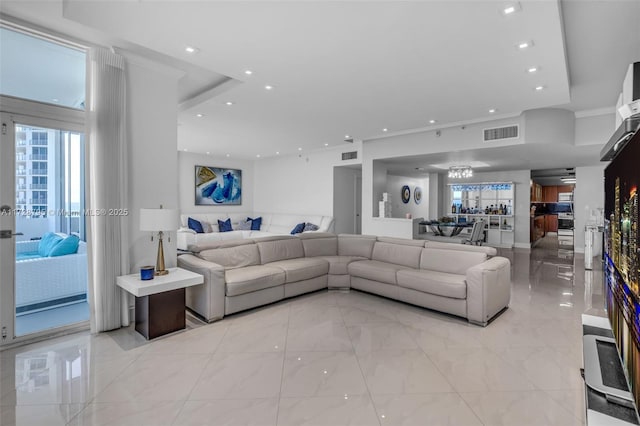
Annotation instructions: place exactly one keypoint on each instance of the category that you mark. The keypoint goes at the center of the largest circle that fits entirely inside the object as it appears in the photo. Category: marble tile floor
(327, 358)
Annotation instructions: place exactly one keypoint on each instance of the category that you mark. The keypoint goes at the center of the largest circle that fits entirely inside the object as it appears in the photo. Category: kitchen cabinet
(549, 194)
(564, 188)
(551, 223)
(536, 192)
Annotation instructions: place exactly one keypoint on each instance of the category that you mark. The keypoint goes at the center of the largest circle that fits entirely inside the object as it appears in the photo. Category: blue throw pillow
(195, 225)
(47, 243)
(225, 226)
(255, 223)
(298, 229)
(69, 245)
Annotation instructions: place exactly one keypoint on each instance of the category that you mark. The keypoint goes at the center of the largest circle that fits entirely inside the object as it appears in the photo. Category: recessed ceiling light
(199, 115)
(492, 110)
(258, 155)
(228, 155)
(299, 149)
(524, 45)
(539, 88)
(55, 100)
(326, 144)
(347, 136)
(185, 150)
(277, 152)
(228, 103)
(532, 70)
(248, 72)
(208, 153)
(511, 8)
(190, 49)
(432, 121)
(268, 87)
(385, 129)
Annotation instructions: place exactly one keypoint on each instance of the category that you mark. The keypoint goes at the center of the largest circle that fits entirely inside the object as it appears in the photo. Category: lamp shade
(158, 220)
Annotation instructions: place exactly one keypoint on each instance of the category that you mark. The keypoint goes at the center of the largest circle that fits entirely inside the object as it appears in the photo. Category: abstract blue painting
(218, 186)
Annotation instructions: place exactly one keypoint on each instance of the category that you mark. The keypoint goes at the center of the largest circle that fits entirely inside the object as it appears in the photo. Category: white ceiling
(357, 67)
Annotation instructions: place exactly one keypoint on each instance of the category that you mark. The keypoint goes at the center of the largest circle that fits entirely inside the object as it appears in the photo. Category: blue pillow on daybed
(47, 243)
(298, 229)
(69, 245)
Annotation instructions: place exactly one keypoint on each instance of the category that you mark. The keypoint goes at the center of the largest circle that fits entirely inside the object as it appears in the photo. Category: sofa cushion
(232, 257)
(327, 246)
(69, 245)
(375, 270)
(396, 253)
(302, 268)
(438, 283)
(339, 265)
(450, 261)
(47, 243)
(273, 249)
(356, 245)
(252, 278)
(195, 225)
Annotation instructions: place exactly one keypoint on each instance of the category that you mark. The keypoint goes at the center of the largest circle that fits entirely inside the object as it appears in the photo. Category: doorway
(347, 199)
(43, 278)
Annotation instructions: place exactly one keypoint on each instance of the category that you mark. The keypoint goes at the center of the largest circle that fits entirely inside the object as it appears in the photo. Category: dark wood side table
(160, 303)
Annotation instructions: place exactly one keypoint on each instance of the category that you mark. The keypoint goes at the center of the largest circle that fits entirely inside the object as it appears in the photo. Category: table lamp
(159, 220)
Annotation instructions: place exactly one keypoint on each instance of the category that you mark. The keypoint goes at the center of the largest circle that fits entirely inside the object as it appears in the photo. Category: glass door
(43, 256)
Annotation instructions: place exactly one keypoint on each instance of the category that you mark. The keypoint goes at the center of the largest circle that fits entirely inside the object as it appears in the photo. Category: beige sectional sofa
(460, 280)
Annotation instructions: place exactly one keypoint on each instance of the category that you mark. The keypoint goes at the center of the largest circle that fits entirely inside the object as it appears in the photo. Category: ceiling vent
(349, 155)
(499, 133)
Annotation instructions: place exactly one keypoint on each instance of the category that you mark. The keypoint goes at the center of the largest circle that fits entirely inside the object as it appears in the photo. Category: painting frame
(217, 186)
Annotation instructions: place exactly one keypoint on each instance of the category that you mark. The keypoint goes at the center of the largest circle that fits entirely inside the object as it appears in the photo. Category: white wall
(588, 196)
(400, 209)
(594, 130)
(344, 199)
(522, 195)
(153, 166)
(186, 181)
(299, 184)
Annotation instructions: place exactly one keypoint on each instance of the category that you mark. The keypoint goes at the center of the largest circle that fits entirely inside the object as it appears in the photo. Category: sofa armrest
(488, 289)
(208, 299)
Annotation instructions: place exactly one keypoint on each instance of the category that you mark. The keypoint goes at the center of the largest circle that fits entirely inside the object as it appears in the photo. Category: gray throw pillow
(243, 225)
(310, 227)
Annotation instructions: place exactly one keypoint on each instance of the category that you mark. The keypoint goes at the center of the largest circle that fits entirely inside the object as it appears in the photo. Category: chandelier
(460, 172)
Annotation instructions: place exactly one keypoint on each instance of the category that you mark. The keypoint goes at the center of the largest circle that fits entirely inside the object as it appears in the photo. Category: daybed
(43, 280)
(247, 273)
(272, 224)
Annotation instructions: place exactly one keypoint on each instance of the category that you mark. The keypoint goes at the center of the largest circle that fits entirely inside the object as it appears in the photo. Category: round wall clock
(406, 194)
(417, 195)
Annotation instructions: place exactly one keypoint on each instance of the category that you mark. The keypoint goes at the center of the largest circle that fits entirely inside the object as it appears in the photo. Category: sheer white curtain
(107, 189)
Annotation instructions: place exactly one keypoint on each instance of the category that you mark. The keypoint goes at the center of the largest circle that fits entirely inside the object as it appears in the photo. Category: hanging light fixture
(460, 172)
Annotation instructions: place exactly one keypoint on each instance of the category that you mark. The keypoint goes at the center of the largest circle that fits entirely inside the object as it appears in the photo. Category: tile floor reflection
(327, 358)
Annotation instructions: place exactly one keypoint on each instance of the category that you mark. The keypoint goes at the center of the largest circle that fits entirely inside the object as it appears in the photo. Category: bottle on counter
(453, 208)
(486, 210)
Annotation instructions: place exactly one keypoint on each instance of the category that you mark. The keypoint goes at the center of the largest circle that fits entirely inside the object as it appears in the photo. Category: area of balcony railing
(38, 157)
(21, 172)
(37, 201)
(39, 186)
(36, 172)
(21, 186)
(38, 142)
